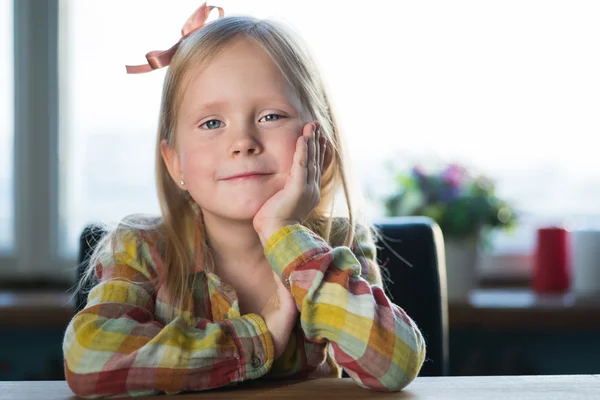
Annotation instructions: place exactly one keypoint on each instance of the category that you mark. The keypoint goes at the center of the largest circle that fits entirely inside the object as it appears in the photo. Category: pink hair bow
(161, 58)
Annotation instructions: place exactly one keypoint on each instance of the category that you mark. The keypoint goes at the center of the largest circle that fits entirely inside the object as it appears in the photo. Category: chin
(238, 206)
(245, 212)
(236, 211)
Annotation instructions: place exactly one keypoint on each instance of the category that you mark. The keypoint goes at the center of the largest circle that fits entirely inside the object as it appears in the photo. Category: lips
(246, 175)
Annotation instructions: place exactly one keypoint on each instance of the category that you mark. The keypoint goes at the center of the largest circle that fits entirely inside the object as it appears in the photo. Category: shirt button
(255, 362)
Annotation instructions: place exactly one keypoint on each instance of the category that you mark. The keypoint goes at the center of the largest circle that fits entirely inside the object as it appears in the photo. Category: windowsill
(40, 309)
(523, 309)
(507, 308)
(504, 282)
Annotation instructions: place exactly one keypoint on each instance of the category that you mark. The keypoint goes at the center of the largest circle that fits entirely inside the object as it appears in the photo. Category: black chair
(420, 289)
(90, 236)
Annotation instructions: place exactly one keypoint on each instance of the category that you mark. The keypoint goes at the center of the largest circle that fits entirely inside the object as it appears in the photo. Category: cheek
(197, 164)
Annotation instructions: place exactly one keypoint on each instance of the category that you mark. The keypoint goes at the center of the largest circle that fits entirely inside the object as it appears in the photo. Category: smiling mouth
(247, 176)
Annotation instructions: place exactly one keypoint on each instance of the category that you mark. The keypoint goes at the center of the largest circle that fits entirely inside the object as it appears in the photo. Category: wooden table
(573, 387)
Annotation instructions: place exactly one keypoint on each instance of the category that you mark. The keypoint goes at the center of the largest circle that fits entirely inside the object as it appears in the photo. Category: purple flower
(454, 175)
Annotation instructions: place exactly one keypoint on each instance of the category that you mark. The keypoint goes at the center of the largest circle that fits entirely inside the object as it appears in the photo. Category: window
(510, 88)
(6, 128)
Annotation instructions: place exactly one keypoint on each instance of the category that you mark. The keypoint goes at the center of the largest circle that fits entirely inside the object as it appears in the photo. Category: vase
(461, 259)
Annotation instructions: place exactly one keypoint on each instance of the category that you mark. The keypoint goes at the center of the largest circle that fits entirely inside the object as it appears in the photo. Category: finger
(323, 152)
(311, 167)
(317, 150)
(329, 154)
(299, 164)
(323, 146)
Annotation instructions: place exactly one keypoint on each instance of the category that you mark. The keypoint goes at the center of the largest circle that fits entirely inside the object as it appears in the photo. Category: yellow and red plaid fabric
(123, 343)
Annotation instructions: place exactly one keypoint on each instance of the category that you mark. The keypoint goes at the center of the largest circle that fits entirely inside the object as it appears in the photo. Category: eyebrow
(213, 104)
(227, 103)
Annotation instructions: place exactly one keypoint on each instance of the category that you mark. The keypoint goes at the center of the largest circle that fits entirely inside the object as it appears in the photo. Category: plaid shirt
(123, 344)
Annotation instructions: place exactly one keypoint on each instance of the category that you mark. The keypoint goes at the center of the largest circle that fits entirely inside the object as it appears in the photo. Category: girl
(246, 274)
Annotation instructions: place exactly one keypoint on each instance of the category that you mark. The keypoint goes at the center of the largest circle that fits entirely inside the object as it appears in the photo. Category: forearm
(372, 338)
(111, 348)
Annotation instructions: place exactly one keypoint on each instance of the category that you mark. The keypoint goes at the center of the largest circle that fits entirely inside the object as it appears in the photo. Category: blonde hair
(179, 225)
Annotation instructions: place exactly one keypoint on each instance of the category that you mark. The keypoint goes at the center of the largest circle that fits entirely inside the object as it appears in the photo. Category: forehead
(242, 71)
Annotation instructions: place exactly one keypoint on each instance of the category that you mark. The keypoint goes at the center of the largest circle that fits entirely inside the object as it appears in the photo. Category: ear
(172, 161)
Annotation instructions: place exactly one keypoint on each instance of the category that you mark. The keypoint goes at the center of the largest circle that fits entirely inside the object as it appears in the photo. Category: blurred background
(443, 104)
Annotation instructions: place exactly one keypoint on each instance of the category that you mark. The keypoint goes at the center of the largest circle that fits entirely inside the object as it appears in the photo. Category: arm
(374, 340)
(115, 345)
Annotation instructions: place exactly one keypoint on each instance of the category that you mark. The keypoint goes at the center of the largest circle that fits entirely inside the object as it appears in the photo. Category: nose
(246, 143)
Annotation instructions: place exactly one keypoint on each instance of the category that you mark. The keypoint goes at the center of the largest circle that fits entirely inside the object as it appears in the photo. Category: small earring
(181, 182)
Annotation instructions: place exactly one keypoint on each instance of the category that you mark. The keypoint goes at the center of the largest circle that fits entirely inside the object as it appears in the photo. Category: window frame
(36, 147)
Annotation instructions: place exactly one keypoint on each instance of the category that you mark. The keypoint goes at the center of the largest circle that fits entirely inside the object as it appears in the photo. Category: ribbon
(161, 58)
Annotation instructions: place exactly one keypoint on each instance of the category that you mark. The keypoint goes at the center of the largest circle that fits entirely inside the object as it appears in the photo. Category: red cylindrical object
(552, 261)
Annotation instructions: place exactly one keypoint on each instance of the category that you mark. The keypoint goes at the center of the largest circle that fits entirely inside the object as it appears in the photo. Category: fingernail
(316, 126)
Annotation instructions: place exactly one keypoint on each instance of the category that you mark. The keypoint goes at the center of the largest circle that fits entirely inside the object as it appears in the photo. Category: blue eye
(212, 124)
(270, 117)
